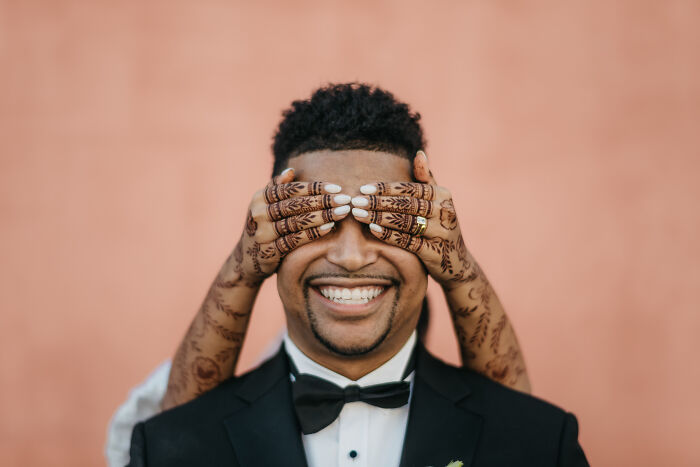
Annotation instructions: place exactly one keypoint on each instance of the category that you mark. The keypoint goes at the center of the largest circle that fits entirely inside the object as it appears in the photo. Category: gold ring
(422, 224)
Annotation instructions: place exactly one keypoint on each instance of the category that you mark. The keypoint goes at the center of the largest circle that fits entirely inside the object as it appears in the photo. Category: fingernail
(368, 189)
(342, 210)
(359, 201)
(284, 172)
(357, 212)
(423, 153)
(327, 226)
(332, 188)
(375, 228)
(341, 199)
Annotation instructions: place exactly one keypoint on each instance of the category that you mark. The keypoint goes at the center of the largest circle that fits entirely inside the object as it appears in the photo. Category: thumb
(421, 169)
(286, 176)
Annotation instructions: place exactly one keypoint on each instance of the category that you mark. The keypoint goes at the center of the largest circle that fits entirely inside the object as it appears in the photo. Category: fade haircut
(347, 116)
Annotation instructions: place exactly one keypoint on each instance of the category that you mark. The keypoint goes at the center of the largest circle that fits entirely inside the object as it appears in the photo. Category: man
(351, 385)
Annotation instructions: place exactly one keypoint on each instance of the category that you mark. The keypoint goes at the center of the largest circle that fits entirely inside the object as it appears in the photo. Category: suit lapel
(265, 431)
(440, 427)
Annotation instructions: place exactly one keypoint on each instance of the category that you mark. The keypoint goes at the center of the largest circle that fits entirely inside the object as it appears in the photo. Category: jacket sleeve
(138, 447)
(570, 452)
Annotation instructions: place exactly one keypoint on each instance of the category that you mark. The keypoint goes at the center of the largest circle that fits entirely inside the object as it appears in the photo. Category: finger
(309, 219)
(286, 244)
(415, 190)
(417, 245)
(402, 204)
(286, 176)
(421, 169)
(406, 223)
(294, 206)
(278, 192)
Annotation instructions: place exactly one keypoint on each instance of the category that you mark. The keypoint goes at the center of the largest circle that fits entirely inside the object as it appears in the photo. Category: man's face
(350, 260)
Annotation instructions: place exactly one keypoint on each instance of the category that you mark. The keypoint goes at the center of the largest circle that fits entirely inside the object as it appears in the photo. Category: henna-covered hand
(393, 211)
(283, 216)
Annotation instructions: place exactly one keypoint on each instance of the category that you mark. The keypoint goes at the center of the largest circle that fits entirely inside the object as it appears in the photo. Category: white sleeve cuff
(143, 402)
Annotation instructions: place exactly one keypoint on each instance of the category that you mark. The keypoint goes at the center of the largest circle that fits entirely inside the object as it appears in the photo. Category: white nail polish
(359, 201)
(327, 226)
(341, 199)
(357, 212)
(286, 170)
(341, 210)
(332, 188)
(422, 152)
(368, 189)
(375, 228)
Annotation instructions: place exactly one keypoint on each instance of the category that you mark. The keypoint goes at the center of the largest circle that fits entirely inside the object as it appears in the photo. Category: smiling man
(353, 223)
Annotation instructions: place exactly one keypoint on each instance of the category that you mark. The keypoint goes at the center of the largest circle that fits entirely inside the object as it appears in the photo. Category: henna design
(222, 331)
(293, 224)
(224, 355)
(250, 225)
(287, 243)
(504, 367)
(403, 222)
(400, 204)
(268, 252)
(448, 216)
(496, 336)
(416, 190)
(292, 206)
(253, 252)
(206, 372)
(276, 193)
(482, 327)
(465, 311)
(467, 353)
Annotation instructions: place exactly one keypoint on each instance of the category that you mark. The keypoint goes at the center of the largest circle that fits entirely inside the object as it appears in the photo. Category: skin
(284, 234)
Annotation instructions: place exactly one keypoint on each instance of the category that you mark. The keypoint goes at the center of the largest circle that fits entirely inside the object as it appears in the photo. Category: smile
(351, 296)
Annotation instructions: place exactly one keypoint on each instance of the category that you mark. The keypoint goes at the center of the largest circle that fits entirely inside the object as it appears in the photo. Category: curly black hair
(347, 116)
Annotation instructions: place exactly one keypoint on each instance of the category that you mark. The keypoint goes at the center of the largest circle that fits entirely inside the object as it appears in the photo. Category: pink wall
(133, 133)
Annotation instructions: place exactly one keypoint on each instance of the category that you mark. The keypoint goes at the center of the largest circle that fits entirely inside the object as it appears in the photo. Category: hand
(393, 212)
(281, 217)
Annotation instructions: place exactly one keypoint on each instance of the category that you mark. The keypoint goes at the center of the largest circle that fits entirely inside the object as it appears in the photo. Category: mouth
(351, 296)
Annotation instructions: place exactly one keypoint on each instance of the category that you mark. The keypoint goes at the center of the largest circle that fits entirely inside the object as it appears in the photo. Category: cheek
(411, 269)
(292, 269)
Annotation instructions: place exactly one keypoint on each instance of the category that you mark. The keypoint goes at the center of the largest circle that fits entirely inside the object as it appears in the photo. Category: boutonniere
(455, 464)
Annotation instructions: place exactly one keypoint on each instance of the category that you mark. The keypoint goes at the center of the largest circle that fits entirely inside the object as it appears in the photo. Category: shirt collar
(390, 371)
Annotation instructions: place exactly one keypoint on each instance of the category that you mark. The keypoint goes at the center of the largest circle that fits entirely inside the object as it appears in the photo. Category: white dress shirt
(374, 434)
(363, 435)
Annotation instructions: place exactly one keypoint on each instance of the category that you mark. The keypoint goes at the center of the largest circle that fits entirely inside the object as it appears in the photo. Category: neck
(351, 367)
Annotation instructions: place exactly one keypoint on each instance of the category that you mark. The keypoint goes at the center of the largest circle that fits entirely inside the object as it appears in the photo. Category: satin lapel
(265, 431)
(440, 428)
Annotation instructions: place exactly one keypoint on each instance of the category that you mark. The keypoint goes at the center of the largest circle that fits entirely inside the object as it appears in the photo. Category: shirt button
(352, 454)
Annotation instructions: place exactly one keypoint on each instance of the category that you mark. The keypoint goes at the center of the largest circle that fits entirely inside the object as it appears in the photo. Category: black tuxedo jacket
(455, 414)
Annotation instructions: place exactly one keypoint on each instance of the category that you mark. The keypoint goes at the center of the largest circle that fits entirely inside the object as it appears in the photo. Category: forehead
(352, 168)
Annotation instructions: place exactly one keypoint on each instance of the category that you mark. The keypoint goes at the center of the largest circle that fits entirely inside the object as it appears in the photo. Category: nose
(351, 247)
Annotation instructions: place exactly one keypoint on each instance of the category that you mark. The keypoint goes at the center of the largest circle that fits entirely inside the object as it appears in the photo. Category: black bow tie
(318, 402)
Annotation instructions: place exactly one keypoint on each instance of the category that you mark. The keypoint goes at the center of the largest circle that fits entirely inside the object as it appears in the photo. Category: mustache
(394, 281)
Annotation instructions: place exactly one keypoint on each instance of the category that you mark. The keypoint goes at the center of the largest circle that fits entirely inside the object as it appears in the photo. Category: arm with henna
(282, 217)
(421, 218)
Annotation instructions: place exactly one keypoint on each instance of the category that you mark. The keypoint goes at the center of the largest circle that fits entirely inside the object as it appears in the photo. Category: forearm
(209, 351)
(487, 341)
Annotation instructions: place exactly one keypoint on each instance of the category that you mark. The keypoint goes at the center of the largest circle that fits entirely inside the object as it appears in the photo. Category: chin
(350, 339)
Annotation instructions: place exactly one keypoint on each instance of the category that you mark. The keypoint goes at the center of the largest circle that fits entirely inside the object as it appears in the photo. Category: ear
(421, 169)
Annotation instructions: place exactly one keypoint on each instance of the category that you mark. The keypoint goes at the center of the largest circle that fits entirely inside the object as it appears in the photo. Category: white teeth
(354, 296)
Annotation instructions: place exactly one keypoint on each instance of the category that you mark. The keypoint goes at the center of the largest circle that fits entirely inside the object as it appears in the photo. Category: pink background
(132, 135)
